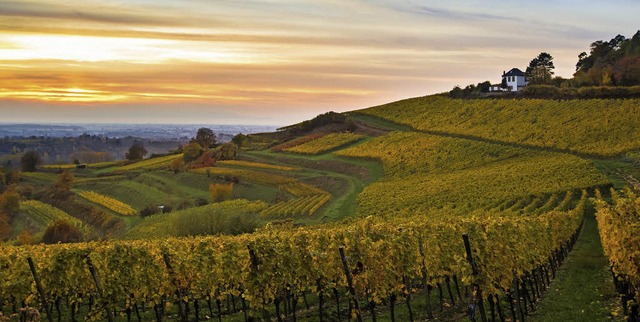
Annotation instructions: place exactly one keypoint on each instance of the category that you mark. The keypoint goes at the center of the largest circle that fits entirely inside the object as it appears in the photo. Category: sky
(273, 62)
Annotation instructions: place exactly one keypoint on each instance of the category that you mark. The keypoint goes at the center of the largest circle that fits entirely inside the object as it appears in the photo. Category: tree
(207, 159)
(221, 191)
(176, 165)
(12, 177)
(5, 226)
(239, 139)
(136, 152)
(25, 237)
(227, 151)
(540, 70)
(3, 181)
(613, 62)
(484, 86)
(61, 231)
(10, 202)
(205, 137)
(584, 62)
(626, 71)
(191, 152)
(65, 180)
(30, 160)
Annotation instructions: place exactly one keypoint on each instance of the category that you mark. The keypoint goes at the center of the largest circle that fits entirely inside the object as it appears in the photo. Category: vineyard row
(378, 259)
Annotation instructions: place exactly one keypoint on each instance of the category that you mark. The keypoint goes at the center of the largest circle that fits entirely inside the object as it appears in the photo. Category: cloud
(112, 15)
(448, 14)
(255, 56)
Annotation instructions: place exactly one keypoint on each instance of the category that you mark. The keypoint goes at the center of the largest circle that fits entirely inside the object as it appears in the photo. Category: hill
(596, 127)
(391, 187)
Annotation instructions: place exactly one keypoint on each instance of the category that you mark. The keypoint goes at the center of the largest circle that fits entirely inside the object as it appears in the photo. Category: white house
(515, 79)
(496, 88)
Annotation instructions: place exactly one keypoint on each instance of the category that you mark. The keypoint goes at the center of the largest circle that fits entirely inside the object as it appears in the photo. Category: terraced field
(397, 194)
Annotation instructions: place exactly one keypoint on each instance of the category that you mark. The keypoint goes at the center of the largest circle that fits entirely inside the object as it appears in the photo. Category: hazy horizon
(273, 62)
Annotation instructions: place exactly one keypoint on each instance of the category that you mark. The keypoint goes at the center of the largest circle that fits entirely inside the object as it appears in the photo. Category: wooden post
(352, 291)
(181, 309)
(424, 282)
(320, 300)
(455, 281)
(447, 281)
(499, 307)
(407, 296)
(337, 298)
(511, 308)
(96, 280)
(40, 289)
(477, 295)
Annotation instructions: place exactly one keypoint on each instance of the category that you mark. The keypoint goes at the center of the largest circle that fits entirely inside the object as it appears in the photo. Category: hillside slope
(598, 127)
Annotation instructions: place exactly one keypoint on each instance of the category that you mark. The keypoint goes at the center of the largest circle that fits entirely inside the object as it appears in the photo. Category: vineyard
(59, 166)
(150, 164)
(619, 224)
(257, 176)
(429, 202)
(43, 214)
(297, 141)
(99, 165)
(367, 263)
(307, 198)
(422, 171)
(604, 127)
(326, 143)
(296, 207)
(108, 202)
(222, 217)
(259, 165)
(42, 176)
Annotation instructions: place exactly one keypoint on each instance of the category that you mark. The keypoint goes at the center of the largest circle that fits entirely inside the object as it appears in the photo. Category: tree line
(613, 63)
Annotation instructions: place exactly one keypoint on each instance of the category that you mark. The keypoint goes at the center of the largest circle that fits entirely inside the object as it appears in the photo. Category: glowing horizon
(271, 62)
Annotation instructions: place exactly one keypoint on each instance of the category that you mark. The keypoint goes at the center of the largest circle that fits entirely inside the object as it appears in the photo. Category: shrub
(221, 191)
(149, 210)
(60, 231)
(29, 161)
(541, 91)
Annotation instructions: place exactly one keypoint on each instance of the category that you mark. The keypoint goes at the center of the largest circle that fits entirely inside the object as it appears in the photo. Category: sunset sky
(273, 62)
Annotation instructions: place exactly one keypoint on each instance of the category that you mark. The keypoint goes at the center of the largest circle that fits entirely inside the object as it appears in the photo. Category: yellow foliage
(325, 143)
(504, 247)
(150, 164)
(108, 202)
(221, 191)
(422, 171)
(596, 126)
(619, 224)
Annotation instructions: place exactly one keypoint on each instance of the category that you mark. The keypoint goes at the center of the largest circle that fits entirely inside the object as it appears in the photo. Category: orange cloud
(251, 57)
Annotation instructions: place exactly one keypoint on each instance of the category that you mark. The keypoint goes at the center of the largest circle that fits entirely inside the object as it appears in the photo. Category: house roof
(514, 72)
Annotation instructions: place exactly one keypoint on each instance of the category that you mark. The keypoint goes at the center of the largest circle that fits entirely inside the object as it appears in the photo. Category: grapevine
(108, 202)
(260, 267)
(619, 223)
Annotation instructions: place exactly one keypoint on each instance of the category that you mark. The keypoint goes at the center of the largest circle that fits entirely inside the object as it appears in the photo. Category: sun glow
(67, 95)
(242, 58)
(100, 49)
